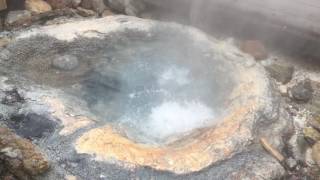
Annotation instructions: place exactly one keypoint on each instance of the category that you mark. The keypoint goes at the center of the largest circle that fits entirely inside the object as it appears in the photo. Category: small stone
(18, 18)
(37, 6)
(255, 48)
(311, 135)
(316, 153)
(66, 62)
(280, 73)
(302, 92)
(291, 163)
(85, 12)
(308, 158)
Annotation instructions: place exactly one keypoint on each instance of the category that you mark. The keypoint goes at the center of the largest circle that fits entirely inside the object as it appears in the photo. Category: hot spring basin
(157, 94)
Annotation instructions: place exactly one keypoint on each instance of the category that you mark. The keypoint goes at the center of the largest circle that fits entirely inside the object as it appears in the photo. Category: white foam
(171, 117)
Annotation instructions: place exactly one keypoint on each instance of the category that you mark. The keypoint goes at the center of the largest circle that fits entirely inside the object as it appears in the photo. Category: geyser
(148, 93)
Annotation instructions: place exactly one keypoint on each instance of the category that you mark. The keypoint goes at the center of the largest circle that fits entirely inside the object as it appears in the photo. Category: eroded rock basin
(133, 93)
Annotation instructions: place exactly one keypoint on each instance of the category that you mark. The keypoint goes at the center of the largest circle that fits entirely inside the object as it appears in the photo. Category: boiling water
(156, 90)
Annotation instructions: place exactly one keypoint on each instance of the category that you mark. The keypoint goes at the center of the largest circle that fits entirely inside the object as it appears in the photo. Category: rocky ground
(296, 80)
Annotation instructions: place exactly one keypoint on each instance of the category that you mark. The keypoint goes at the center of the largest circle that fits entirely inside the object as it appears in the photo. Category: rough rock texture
(255, 48)
(18, 18)
(37, 6)
(302, 91)
(86, 147)
(20, 156)
(281, 73)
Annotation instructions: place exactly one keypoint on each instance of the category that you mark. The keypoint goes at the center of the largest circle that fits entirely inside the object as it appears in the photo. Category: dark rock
(302, 92)
(255, 48)
(65, 62)
(280, 73)
(12, 97)
(18, 18)
(32, 125)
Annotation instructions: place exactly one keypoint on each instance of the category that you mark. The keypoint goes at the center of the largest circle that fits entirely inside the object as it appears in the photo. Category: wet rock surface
(18, 18)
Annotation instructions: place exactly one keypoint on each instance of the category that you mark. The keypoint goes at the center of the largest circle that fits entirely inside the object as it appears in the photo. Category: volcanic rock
(59, 4)
(281, 73)
(18, 18)
(316, 153)
(302, 92)
(20, 156)
(255, 48)
(37, 6)
(32, 125)
(65, 62)
(311, 134)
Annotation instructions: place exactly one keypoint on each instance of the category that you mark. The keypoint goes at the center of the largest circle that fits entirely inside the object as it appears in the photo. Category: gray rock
(18, 18)
(280, 73)
(291, 163)
(65, 62)
(302, 92)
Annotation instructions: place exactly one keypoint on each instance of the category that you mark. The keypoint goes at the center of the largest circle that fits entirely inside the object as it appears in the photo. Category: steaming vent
(158, 90)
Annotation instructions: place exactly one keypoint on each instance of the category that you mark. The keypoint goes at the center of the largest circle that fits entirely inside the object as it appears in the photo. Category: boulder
(311, 135)
(20, 156)
(18, 18)
(281, 73)
(255, 48)
(302, 91)
(37, 6)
